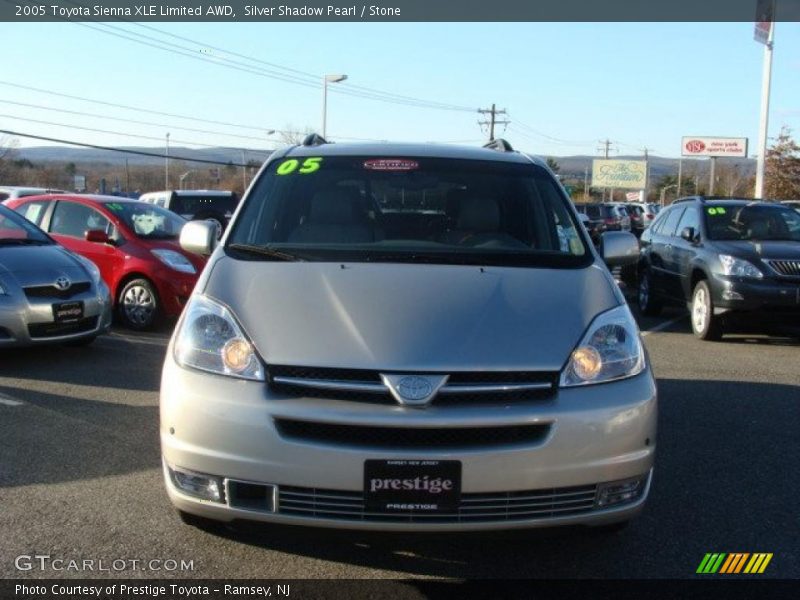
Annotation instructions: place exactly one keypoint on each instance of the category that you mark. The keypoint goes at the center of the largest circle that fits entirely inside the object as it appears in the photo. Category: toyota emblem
(63, 283)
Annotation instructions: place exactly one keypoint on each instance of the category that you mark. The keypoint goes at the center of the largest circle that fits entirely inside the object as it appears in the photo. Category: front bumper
(174, 289)
(770, 298)
(226, 427)
(29, 321)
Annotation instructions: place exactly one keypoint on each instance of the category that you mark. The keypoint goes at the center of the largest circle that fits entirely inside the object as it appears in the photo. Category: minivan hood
(411, 317)
(40, 265)
(760, 250)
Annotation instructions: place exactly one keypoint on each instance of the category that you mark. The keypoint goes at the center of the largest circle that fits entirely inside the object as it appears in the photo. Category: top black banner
(400, 10)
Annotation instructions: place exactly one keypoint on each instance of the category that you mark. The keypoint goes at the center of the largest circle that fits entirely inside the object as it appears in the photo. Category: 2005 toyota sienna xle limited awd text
(407, 337)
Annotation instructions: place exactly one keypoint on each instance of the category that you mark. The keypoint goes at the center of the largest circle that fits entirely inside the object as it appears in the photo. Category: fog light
(620, 492)
(731, 295)
(198, 485)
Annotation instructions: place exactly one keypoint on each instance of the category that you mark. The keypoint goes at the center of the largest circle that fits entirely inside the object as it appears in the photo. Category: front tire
(648, 303)
(705, 324)
(138, 305)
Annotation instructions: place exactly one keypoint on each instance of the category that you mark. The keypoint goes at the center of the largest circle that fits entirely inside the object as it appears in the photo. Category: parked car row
(133, 244)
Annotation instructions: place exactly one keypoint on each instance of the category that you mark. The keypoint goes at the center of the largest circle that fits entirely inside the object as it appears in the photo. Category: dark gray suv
(734, 262)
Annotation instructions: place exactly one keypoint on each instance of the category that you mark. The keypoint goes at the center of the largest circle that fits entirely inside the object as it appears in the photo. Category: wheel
(649, 304)
(82, 342)
(138, 304)
(705, 324)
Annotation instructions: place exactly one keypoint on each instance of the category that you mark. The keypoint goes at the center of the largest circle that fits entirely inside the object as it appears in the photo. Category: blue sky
(565, 85)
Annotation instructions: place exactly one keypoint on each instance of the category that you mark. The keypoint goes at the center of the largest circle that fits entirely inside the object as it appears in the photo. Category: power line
(134, 108)
(314, 82)
(121, 150)
(550, 137)
(133, 135)
(443, 105)
(135, 121)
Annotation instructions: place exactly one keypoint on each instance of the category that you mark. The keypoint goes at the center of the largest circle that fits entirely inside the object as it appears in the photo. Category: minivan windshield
(414, 209)
(147, 221)
(752, 222)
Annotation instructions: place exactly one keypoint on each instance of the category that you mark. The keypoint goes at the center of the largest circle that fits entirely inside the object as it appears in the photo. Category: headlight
(94, 272)
(737, 267)
(610, 349)
(209, 339)
(174, 260)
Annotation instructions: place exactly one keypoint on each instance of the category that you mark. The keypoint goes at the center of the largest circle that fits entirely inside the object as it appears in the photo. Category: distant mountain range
(79, 156)
(570, 167)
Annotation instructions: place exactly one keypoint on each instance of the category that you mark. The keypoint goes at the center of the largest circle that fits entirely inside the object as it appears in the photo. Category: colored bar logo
(734, 563)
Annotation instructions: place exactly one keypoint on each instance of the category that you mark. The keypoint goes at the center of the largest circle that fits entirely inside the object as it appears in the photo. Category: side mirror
(199, 237)
(688, 234)
(619, 248)
(97, 236)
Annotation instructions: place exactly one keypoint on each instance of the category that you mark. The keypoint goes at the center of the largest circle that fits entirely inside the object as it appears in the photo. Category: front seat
(476, 218)
(335, 216)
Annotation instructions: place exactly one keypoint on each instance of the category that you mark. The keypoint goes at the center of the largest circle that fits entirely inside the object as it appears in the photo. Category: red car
(135, 245)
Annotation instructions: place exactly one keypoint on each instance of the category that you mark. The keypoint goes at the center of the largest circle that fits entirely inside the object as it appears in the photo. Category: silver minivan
(407, 337)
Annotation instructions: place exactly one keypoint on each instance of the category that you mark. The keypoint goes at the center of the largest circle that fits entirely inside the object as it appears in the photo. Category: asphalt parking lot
(80, 476)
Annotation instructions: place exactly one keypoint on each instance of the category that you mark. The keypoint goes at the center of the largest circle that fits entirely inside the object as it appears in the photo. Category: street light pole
(166, 166)
(325, 80)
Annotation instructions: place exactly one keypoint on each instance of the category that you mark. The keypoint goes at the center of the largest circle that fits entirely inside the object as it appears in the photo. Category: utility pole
(492, 112)
(647, 174)
(586, 184)
(607, 144)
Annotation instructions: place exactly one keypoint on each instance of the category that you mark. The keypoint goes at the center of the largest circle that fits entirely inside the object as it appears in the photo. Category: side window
(671, 222)
(33, 211)
(72, 219)
(659, 222)
(690, 218)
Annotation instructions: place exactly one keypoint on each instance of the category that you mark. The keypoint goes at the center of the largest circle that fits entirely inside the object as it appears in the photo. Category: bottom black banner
(244, 589)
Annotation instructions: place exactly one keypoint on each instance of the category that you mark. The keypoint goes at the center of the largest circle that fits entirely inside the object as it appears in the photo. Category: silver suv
(407, 337)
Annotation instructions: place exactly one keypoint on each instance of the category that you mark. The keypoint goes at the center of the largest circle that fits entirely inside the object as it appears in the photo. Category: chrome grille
(789, 268)
(493, 506)
(362, 385)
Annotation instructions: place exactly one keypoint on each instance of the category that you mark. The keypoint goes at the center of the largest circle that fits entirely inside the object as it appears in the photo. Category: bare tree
(782, 172)
(7, 147)
(291, 136)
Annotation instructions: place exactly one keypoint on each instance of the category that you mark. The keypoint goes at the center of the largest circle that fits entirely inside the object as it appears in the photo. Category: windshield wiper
(265, 251)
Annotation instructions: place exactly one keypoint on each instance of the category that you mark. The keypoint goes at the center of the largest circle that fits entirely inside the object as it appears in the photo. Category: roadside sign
(714, 146)
(619, 174)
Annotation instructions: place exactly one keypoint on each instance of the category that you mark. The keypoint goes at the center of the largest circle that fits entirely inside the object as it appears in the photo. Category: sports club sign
(765, 15)
(619, 174)
(714, 146)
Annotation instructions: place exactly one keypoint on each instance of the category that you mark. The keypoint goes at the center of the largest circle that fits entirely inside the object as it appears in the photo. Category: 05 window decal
(308, 166)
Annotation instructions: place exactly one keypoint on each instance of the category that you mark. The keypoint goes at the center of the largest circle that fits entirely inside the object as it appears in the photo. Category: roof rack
(499, 144)
(314, 139)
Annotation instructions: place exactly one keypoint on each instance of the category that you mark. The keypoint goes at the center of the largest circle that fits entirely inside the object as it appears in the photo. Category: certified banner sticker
(391, 164)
